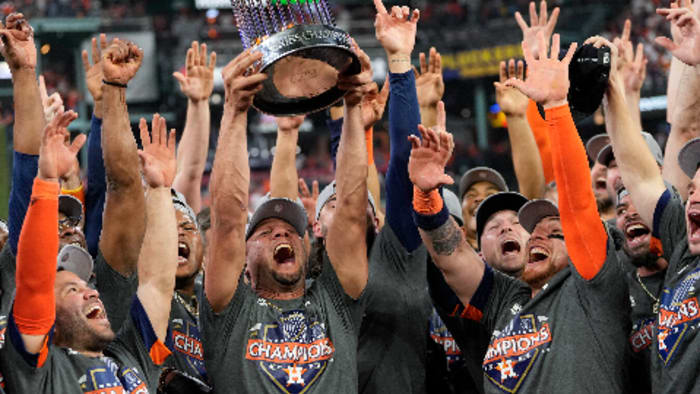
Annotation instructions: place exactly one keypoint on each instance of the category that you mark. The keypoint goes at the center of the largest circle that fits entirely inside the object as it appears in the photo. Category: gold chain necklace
(191, 309)
(655, 306)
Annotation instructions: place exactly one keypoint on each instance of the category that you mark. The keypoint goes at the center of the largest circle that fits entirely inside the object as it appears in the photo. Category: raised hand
(429, 83)
(158, 153)
(685, 24)
(632, 65)
(548, 77)
(287, 124)
(396, 31)
(120, 61)
(242, 80)
(52, 104)
(374, 103)
(198, 83)
(309, 198)
(17, 44)
(616, 75)
(357, 85)
(93, 72)
(511, 100)
(56, 157)
(426, 165)
(537, 24)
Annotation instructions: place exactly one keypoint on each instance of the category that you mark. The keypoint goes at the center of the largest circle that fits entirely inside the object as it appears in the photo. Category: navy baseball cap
(504, 201)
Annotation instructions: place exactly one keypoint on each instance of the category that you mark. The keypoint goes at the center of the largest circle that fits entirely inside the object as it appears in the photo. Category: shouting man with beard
(536, 327)
(60, 339)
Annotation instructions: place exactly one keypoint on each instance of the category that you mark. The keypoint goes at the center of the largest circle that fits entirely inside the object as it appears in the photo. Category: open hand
(429, 83)
(17, 42)
(547, 79)
(396, 31)
(374, 103)
(198, 83)
(357, 85)
(685, 24)
(429, 155)
(632, 65)
(616, 76)
(242, 80)
(537, 24)
(120, 61)
(56, 157)
(511, 100)
(52, 104)
(93, 72)
(158, 153)
(309, 198)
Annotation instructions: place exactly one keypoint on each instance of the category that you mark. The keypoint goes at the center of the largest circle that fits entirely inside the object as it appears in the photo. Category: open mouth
(538, 254)
(183, 252)
(600, 184)
(95, 312)
(694, 225)
(284, 253)
(636, 232)
(510, 247)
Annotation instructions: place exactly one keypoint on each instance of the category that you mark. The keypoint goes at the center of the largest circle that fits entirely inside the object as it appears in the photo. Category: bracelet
(117, 84)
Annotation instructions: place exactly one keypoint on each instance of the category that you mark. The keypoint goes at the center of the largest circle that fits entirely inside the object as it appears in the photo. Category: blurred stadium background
(472, 36)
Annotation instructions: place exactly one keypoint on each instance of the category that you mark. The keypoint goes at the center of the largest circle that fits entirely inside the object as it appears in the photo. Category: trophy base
(302, 64)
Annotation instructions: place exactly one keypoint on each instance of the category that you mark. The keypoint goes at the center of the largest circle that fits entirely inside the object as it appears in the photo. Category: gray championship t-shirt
(308, 344)
(126, 366)
(676, 362)
(643, 319)
(116, 291)
(571, 337)
(185, 340)
(391, 357)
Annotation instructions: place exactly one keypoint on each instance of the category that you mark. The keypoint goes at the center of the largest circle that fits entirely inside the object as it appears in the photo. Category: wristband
(429, 211)
(72, 191)
(117, 84)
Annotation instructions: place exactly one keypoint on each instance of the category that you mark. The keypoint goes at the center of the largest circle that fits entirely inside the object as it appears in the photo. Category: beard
(187, 279)
(73, 332)
(604, 202)
(537, 279)
(642, 258)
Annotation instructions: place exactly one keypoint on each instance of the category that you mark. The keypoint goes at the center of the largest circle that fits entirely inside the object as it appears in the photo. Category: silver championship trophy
(303, 53)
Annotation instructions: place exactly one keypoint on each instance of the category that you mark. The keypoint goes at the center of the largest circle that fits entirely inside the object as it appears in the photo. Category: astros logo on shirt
(513, 351)
(109, 378)
(679, 313)
(292, 352)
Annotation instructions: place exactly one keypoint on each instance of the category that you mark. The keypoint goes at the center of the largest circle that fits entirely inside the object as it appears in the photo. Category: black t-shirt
(571, 336)
(130, 363)
(308, 344)
(394, 332)
(677, 362)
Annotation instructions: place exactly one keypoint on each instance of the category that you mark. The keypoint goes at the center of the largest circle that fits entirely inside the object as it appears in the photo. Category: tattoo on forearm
(446, 238)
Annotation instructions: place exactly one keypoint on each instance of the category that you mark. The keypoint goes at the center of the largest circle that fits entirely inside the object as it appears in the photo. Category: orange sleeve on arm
(34, 310)
(541, 132)
(369, 142)
(78, 193)
(586, 238)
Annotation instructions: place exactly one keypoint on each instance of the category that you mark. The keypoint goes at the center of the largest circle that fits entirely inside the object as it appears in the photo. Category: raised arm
(633, 68)
(230, 182)
(96, 178)
(197, 85)
(157, 262)
(429, 86)
(20, 54)
(284, 180)
(34, 309)
(526, 158)
(460, 265)
(124, 222)
(396, 31)
(345, 243)
(638, 168)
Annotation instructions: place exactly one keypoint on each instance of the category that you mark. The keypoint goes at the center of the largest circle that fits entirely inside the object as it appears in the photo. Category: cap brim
(279, 208)
(595, 144)
(504, 201)
(70, 206)
(531, 213)
(481, 174)
(606, 155)
(689, 157)
(76, 260)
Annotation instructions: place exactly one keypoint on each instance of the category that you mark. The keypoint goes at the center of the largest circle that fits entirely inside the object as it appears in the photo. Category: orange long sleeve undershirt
(35, 305)
(586, 238)
(541, 132)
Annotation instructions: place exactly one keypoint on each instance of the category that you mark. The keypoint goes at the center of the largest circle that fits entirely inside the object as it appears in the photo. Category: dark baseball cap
(76, 260)
(589, 71)
(595, 144)
(279, 208)
(689, 157)
(481, 174)
(531, 213)
(504, 201)
(607, 154)
(70, 206)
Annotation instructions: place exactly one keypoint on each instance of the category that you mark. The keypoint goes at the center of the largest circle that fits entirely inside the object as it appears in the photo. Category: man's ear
(317, 229)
